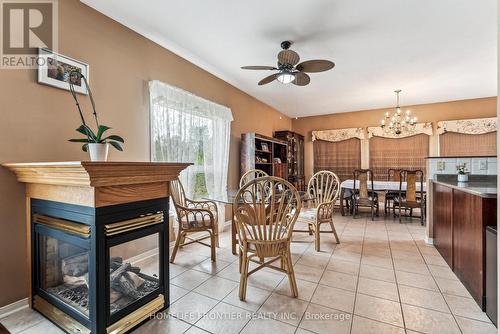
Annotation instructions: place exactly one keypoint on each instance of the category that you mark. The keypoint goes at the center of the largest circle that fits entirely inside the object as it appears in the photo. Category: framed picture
(264, 147)
(54, 70)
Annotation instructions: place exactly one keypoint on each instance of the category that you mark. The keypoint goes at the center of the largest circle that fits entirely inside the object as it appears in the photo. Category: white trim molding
(337, 135)
(477, 126)
(14, 307)
(420, 128)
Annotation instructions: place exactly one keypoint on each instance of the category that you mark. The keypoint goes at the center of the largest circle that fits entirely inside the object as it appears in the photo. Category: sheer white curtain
(188, 128)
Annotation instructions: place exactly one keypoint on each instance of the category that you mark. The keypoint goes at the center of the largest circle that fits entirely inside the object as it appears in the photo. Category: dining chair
(412, 198)
(250, 175)
(266, 209)
(395, 176)
(362, 196)
(193, 217)
(323, 189)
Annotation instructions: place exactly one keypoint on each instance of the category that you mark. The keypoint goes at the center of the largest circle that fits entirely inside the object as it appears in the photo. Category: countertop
(485, 189)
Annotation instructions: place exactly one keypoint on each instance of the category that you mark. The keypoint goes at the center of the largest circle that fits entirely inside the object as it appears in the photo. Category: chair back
(363, 177)
(393, 174)
(266, 209)
(251, 175)
(323, 187)
(177, 192)
(413, 178)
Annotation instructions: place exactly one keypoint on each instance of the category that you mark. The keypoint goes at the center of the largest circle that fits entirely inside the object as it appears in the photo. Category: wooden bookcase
(295, 157)
(264, 153)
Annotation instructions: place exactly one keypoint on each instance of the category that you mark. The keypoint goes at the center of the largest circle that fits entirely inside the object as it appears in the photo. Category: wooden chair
(193, 217)
(362, 197)
(266, 209)
(323, 189)
(392, 175)
(251, 175)
(412, 198)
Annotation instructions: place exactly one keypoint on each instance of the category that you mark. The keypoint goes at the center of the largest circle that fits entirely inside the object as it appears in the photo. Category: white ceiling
(434, 50)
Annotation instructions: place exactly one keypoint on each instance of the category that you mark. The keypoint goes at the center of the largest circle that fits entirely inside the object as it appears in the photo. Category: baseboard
(429, 241)
(14, 307)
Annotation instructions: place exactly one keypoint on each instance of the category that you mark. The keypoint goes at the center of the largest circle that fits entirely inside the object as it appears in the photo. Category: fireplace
(99, 270)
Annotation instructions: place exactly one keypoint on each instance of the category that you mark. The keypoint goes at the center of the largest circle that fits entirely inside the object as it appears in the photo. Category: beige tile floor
(381, 278)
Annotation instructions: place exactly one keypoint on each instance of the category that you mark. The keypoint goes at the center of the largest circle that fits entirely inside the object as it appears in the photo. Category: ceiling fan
(289, 69)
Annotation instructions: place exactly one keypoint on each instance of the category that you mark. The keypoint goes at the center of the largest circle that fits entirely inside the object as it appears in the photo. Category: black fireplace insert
(99, 270)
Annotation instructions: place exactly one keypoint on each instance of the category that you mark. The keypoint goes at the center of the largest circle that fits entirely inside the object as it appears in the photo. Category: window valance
(420, 128)
(338, 134)
(476, 126)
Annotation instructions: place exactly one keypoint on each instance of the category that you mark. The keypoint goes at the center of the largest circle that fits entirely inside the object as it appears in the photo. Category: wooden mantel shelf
(95, 174)
(96, 184)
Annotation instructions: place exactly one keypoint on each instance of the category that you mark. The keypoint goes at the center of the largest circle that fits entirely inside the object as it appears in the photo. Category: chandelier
(399, 123)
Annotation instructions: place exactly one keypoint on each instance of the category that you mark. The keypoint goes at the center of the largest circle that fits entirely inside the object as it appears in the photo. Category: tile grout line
(359, 272)
(395, 276)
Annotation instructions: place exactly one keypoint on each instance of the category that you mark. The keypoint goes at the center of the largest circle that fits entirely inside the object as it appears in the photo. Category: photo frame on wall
(54, 70)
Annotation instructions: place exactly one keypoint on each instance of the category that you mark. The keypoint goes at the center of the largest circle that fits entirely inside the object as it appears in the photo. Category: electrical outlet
(483, 165)
(440, 165)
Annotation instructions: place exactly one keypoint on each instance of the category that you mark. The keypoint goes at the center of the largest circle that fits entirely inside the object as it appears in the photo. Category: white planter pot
(98, 152)
(463, 178)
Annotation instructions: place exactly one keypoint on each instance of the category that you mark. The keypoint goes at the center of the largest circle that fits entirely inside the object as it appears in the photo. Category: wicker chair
(193, 217)
(266, 209)
(362, 197)
(392, 175)
(412, 198)
(324, 190)
(251, 175)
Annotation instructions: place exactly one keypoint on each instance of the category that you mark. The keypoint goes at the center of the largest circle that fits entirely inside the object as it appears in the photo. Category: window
(459, 144)
(341, 157)
(187, 128)
(401, 153)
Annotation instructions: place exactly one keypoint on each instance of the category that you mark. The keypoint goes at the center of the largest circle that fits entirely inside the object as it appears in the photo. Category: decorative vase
(98, 152)
(463, 178)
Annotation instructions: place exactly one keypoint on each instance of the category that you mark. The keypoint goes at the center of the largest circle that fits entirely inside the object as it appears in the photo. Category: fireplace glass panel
(134, 271)
(64, 272)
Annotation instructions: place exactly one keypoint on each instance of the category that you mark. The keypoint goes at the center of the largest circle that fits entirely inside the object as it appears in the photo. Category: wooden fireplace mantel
(96, 184)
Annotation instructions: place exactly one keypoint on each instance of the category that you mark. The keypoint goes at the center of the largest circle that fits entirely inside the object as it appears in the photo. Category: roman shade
(340, 157)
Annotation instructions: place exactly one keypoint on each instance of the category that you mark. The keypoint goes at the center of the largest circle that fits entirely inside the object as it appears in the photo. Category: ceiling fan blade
(312, 66)
(301, 79)
(258, 68)
(288, 57)
(268, 79)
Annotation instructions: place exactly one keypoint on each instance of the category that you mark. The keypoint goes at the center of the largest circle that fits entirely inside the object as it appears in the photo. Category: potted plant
(96, 143)
(462, 171)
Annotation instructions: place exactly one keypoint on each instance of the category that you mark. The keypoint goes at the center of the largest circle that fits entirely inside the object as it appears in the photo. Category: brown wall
(475, 108)
(37, 120)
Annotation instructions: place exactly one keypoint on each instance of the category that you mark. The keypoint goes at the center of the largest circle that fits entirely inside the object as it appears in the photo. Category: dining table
(378, 186)
(228, 198)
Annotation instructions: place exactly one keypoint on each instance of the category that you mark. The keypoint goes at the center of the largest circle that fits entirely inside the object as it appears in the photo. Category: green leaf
(116, 145)
(83, 140)
(85, 148)
(100, 131)
(87, 132)
(114, 137)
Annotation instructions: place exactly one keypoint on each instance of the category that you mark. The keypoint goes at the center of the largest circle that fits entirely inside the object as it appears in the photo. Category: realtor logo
(26, 27)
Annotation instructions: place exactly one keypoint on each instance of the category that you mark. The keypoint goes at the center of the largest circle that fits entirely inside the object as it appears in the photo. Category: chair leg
(213, 245)
(216, 233)
(400, 213)
(317, 236)
(334, 232)
(291, 275)
(180, 235)
(240, 256)
(371, 209)
(244, 277)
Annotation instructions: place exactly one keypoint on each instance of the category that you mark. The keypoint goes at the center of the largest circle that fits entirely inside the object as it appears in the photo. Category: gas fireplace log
(116, 274)
(76, 265)
(76, 280)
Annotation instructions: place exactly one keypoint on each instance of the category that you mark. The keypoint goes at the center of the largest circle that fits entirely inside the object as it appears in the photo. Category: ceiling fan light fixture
(286, 77)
